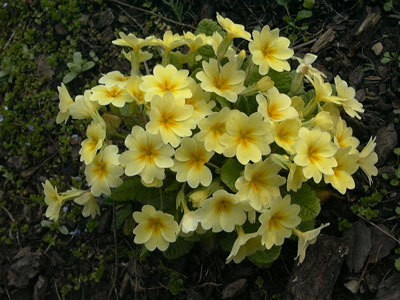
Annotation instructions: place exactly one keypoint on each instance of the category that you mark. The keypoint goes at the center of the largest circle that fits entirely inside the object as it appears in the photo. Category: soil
(357, 263)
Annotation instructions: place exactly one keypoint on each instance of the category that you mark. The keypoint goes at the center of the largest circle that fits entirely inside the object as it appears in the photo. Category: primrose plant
(215, 139)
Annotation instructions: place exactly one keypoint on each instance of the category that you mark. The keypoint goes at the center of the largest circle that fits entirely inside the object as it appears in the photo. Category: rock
(389, 289)
(234, 289)
(386, 141)
(377, 48)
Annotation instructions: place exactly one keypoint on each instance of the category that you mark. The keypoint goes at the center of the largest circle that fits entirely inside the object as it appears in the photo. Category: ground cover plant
(63, 229)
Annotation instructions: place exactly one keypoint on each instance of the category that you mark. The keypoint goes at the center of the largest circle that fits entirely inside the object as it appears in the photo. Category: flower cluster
(204, 108)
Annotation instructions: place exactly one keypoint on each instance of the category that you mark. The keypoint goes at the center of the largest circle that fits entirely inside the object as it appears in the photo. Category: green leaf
(308, 201)
(69, 77)
(77, 58)
(206, 51)
(397, 264)
(121, 215)
(63, 230)
(208, 27)
(74, 68)
(388, 6)
(265, 258)
(282, 80)
(309, 4)
(303, 14)
(283, 2)
(87, 66)
(128, 190)
(230, 171)
(178, 249)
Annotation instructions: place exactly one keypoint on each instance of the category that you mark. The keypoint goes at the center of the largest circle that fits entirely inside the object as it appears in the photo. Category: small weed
(77, 66)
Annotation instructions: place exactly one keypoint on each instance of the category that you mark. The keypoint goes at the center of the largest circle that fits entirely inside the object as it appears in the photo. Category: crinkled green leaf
(230, 171)
(304, 14)
(178, 249)
(308, 201)
(121, 215)
(265, 258)
(208, 27)
(282, 80)
(308, 4)
(206, 51)
(128, 190)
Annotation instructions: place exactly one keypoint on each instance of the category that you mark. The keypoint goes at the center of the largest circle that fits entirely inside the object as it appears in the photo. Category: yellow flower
(350, 104)
(133, 89)
(104, 171)
(260, 184)
(315, 153)
(96, 134)
(295, 177)
(276, 106)
(189, 221)
(324, 121)
(90, 205)
(64, 105)
(226, 81)
(286, 133)
(305, 66)
(190, 160)
(114, 78)
(245, 245)
(222, 212)
(344, 138)
(347, 165)
(169, 41)
(305, 239)
(166, 80)
(367, 160)
(278, 222)
(215, 41)
(170, 117)
(132, 41)
(212, 129)
(155, 229)
(114, 94)
(269, 50)
(233, 30)
(194, 42)
(84, 108)
(323, 90)
(147, 155)
(53, 200)
(247, 137)
(201, 103)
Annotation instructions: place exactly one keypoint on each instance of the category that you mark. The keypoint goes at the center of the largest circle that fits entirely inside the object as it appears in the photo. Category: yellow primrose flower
(305, 239)
(295, 177)
(115, 95)
(215, 41)
(200, 101)
(285, 133)
(226, 81)
(264, 84)
(245, 245)
(367, 160)
(315, 152)
(64, 105)
(276, 106)
(189, 163)
(170, 117)
(247, 137)
(114, 78)
(278, 222)
(84, 108)
(104, 171)
(96, 134)
(323, 90)
(195, 41)
(147, 155)
(347, 165)
(133, 89)
(269, 50)
(222, 212)
(169, 41)
(189, 221)
(132, 41)
(343, 136)
(233, 30)
(350, 104)
(324, 120)
(212, 129)
(305, 66)
(155, 228)
(198, 196)
(260, 184)
(53, 200)
(90, 205)
(165, 80)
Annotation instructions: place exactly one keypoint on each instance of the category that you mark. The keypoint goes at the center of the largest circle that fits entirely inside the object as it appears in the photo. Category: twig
(131, 18)
(154, 14)
(8, 213)
(304, 44)
(380, 229)
(58, 294)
